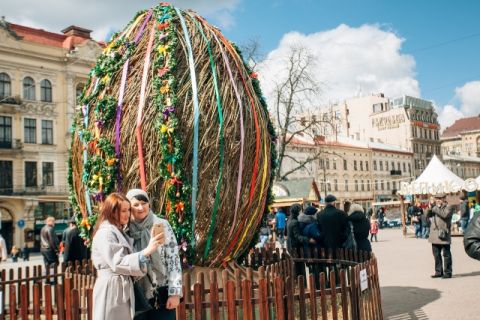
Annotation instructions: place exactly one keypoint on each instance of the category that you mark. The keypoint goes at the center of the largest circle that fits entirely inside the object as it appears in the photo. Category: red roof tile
(462, 125)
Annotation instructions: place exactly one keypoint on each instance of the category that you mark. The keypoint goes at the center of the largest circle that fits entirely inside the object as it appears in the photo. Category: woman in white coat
(115, 261)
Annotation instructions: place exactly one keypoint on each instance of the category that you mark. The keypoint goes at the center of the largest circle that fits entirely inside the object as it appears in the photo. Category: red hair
(110, 210)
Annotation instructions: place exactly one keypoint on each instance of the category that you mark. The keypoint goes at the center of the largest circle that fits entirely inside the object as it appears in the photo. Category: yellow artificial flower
(164, 89)
(162, 49)
(106, 79)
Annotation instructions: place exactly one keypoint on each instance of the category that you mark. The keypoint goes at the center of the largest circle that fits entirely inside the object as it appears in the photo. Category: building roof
(461, 126)
(71, 36)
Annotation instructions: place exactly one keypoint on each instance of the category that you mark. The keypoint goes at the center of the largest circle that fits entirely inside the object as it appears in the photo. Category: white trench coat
(113, 257)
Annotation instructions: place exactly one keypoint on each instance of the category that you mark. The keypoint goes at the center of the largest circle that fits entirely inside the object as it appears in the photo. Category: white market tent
(436, 178)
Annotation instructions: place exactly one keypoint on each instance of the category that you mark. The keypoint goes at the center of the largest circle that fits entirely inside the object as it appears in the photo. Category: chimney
(77, 31)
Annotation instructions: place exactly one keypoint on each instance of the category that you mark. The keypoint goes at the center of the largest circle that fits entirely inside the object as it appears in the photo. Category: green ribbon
(222, 143)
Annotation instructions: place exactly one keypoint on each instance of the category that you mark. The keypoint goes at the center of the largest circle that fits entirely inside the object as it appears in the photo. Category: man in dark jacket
(471, 238)
(334, 224)
(49, 244)
(440, 236)
(75, 249)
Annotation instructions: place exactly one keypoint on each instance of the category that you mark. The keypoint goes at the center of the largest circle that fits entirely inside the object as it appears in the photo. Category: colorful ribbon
(118, 121)
(141, 105)
(196, 119)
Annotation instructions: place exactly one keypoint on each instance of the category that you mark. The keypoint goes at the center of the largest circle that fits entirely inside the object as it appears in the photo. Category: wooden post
(402, 212)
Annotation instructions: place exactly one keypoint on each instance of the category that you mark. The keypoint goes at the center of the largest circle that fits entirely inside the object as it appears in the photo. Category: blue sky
(424, 48)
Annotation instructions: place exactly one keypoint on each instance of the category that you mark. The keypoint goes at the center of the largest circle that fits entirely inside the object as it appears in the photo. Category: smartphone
(157, 228)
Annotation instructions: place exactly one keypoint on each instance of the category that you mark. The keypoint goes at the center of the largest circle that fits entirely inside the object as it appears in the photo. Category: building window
(28, 88)
(30, 174)
(335, 184)
(30, 130)
(46, 90)
(346, 185)
(5, 86)
(381, 165)
(356, 185)
(366, 165)
(327, 161)
(334, 163)
(404, 168)
(6, 177)
(386, 165)
(57, 210)
(354, 164)
(362, 185)
(382, 185)
(47, 173)
(79, 90)
(47, 132)
(329, 186)
(394, 185)
(388, 185)
(344, 164)
(361, 165)
(375, 165)
(376, 185)
(393, 165)
(5, 132)
(368, 185)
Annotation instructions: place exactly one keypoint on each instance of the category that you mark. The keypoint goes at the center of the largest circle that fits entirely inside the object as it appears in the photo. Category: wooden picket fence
(63, 292)
(264, 287)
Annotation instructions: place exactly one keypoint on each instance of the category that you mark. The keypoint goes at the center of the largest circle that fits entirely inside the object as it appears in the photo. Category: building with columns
(41, 73)
(460, 145)
(407, 122)
(353, 170)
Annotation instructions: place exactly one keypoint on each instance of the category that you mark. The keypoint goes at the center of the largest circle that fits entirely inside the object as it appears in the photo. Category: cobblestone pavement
(408, 292)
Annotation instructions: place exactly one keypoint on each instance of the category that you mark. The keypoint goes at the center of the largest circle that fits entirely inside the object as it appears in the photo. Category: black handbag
(142, 304)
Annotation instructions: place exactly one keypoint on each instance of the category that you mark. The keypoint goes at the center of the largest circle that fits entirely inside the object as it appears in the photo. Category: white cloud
(448, 115)
(103, 16)
(469, 97)
(349, 61)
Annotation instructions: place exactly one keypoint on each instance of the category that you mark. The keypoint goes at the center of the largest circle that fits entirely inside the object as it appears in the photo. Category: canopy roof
(436, 178)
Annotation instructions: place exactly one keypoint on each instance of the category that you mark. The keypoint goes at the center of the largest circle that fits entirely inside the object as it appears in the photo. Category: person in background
(425, 223)
(309, 227)
(471, 238)
(361, 227)
(381, 217)
(271, 222)
(49, 244)
(281, 223)
(15, 253)
(441, 215)
(464, 212)
(115, 261)
(3, 249)
(333, 223)
(25, 253)
(373, 228)
(163, 282)
(416, 218)
(75, 249)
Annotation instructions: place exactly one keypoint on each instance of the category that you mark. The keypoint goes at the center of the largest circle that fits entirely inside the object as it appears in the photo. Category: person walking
(440, 236)
(115, 261)
(75, 249)
(163, 281)
(333, 223)
(3, 249)
(361, 227)
(416, 218)
(425, 224)
(49, 244)
(373, 228)
(464, 212)
(281, 223)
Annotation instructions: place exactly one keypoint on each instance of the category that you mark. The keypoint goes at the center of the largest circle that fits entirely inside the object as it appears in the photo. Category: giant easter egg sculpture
(171, 107)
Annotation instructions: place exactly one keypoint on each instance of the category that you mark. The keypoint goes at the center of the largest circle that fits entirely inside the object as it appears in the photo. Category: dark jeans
(418, 230)
(463, 224)
(373, 235)
(444, 267)
(163, 314)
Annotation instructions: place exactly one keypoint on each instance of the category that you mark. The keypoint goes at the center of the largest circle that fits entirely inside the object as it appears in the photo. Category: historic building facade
(41, 73)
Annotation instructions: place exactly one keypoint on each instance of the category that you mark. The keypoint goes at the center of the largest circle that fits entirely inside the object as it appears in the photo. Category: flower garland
(176, 207)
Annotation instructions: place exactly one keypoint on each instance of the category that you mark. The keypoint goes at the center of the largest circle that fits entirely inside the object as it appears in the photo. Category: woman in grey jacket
(164, 272)
(113, 257)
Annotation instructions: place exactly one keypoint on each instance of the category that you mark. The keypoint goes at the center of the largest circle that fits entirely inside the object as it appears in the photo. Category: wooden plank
(301, 297)
(279, 302)
(333, 295)
(4, 292)
(89, 292)
(343, 285)
(263, 299)
(231, 308)
(23, 302)
(197, 300)
(60, 302)
(48, 301)
(68, 302)
(13, 302)
(214, 299)
(181, 310)
(290, 296)
(75, 310)
(247, 299)
(323, 296)
(313, 297)
(36, 301)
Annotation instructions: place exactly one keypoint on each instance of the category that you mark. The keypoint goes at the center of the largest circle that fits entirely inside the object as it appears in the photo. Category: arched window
(46, 91)
(28, 88)
(79, 89)
(5, 86)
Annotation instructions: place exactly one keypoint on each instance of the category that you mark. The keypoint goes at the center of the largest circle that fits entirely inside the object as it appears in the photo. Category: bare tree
(251, 53)
(292, 96)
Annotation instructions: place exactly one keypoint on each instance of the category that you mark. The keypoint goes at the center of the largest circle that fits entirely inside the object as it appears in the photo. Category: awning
(389, 203)
(278, 203)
